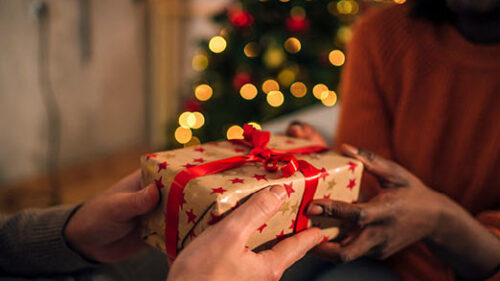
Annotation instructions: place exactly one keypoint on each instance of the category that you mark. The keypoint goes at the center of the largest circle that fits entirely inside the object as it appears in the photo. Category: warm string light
(217, 44)
(336, 57)
(286, 77)
(199, 62)
(255, 125)
(320, 91)
(203, 92)
(194, 120)
(298, 89)
(183, 135)
(251, 49)
(270, 85)
(234, 132)
(248, 91)
(275, 98)
(330, 99)
(292, 45)
(194, 141)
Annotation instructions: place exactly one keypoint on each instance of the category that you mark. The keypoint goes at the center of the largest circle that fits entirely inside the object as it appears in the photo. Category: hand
(302, 130)
(406, 211)
(106, 228)
(219, 253)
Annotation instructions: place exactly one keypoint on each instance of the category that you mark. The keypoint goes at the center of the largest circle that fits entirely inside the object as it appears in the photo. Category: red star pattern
(238, 150)
(183, 200)
(162, 166)
(200, 149)
(324, 174)
(352, 166)
(352, 183)
(261, 228)
(214, 219)
(326, 196)
(289, 189)
(187, 165)
(292, 225)
(219, 190)
(280, 236)
(260, 177)
(151, 155)
(199, 160)
(236, 180)
(191, 216)
(158, 183)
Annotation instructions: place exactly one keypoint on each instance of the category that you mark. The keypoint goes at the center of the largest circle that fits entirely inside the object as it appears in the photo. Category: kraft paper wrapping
(208, 198)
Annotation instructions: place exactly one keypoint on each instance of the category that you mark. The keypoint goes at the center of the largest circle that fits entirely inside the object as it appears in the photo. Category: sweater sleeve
(32, 243)
(364, 118)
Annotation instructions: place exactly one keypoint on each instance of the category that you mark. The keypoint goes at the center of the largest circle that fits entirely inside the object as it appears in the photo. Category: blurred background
(88, 86)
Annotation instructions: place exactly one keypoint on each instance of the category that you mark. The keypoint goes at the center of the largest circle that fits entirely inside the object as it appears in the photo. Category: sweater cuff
(43, 246)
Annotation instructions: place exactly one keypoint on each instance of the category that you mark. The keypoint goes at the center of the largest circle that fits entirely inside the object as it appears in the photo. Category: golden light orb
(183, 135)
(347, 7)
(330, 99)
(286, 77)
(270, 85)
(344, 34)
(274, 57)
(255, 125)
(318, 90)
(203, 92)
(251, 49)
(193, 142)
(275, 98)
(399, 1)
(336, 57)
(186, 119)
(234, 132)
(298, 89)
(297, 12)
(248, 91)
(199, 62)
(217, 44)
(199, 120)
(292, 45)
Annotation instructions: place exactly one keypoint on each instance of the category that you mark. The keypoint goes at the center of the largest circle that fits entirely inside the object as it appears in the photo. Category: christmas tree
(270, 58)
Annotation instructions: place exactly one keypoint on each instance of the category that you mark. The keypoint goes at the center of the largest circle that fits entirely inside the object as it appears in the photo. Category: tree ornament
(240, 79)
(297, 24)
(240, 18)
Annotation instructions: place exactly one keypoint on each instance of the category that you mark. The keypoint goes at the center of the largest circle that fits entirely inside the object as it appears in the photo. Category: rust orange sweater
(420, 94)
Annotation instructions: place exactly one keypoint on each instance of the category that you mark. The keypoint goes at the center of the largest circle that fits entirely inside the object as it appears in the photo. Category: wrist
(446, 213)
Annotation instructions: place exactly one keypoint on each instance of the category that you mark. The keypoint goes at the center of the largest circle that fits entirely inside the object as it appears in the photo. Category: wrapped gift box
(206, 199)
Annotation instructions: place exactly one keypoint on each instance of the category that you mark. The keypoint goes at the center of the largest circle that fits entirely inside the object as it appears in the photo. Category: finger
(246, 219)
(328, 250)
(368, 239)
(126, 206)
(360, 214)
(390, 173)
(305, 131)
(290, 250)
(295, 130)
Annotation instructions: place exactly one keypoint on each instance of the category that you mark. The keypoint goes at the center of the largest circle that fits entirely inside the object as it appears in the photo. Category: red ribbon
(273, 159)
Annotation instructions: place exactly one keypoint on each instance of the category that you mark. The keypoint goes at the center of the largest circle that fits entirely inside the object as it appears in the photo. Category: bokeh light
(344, 34)
(217, 44)
(399, 1)
(183, 135)
(251, 49)
(270, 85)
(298, 12)
(318, 90)
(199, 120)
(203, 92)
(248, 91)
(186, 119)
(298, 89)
(347, 7)
(292, 45)
(286, 77)
(199, 62)
(330, 99)
(255, 125)
(194, 141)
(274, 57)
(275, 98)
(336, 57)
(234, 132)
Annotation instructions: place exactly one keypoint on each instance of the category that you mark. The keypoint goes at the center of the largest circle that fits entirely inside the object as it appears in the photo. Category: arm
(408, 211)
(31, 242)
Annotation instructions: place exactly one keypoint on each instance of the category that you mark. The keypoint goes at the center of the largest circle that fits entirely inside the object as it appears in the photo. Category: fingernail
(351, 149)
(315, 209)
(296, 123)
(279, 191)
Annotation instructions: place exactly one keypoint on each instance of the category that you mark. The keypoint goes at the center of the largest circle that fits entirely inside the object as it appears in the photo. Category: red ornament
(192, 105)
(240, 18)
(297, 24)
(240, 79)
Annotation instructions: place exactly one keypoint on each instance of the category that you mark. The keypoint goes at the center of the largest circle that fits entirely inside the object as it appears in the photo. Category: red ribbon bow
(273, 159)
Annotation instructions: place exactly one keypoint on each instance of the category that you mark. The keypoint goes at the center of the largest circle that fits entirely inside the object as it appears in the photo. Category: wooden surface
(78, 182)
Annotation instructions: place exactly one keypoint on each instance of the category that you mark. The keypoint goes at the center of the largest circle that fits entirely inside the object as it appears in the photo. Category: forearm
(32, 243)
(464, 243)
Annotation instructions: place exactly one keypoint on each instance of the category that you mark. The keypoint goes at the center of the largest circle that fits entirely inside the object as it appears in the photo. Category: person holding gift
(421, 88)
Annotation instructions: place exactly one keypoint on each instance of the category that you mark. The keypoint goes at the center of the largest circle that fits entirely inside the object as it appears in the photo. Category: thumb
(126, 206)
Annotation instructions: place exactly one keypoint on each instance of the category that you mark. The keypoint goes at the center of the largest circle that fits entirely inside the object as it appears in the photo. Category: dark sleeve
(32, 243)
